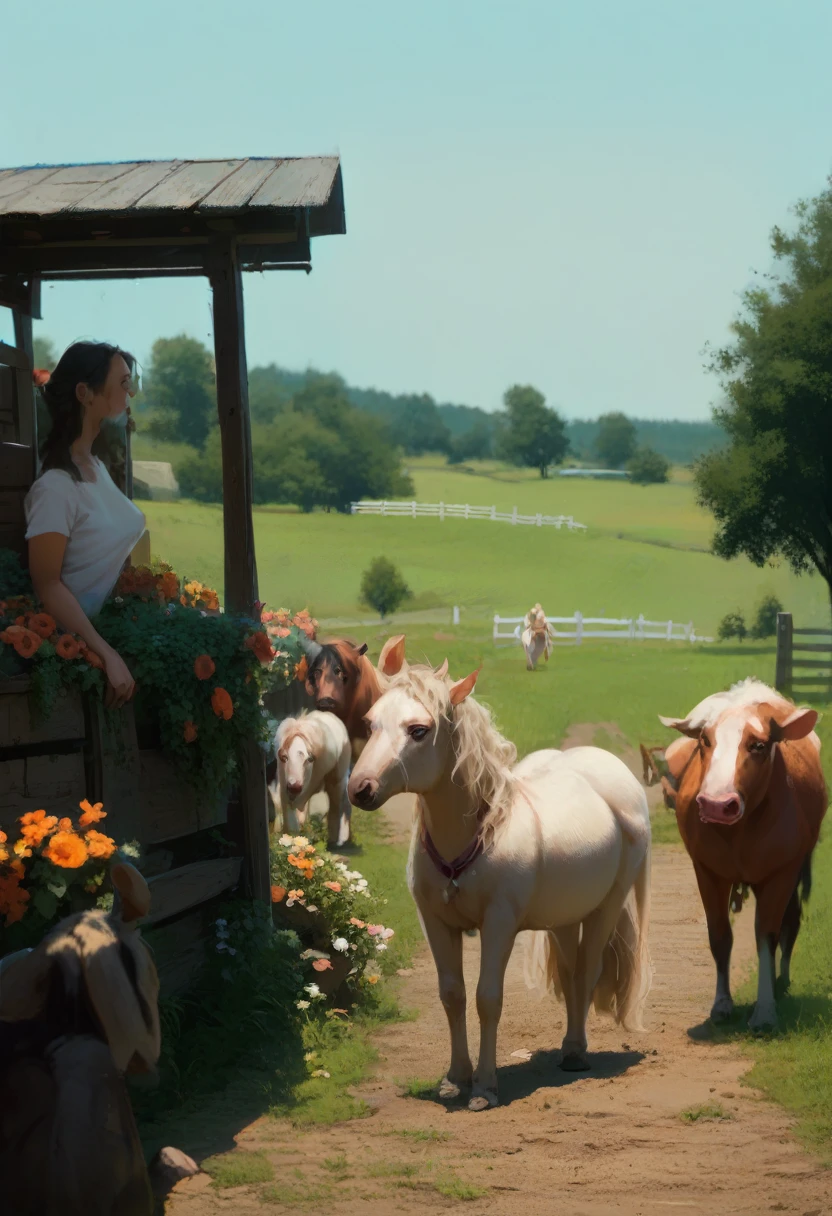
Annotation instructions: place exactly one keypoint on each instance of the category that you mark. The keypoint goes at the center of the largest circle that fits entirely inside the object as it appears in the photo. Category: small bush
(732, 625)
(765, 622)
(648, 467)
(383, 587)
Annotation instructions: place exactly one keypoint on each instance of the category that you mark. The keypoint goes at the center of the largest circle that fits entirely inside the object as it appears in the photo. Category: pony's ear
(683, 725)
(799, 724)
(463, 688)
(391, 659)
(132, 890)
(442, 671)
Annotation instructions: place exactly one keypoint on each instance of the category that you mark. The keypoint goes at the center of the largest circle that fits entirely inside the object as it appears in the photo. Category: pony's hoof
(722, 1009)
(575, 1061)
(763, 1018)
(449, 1091)
(484, 1100)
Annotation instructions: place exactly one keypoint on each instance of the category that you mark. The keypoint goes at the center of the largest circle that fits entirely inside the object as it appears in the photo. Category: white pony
(559, 844)
(536, 637)
(313, 754)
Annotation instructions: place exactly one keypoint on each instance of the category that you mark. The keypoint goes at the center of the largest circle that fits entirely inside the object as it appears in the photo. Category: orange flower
(43, 624)
(21, 849)
(189, 732)
(333, 886)
(8, 635)
(93, 658)
(322, 964)
(67, 850)
(204, 667)
(36, 826)
(26, 643)
(17, 867)
(65, 825)
(168, 585)
(277, 894)
(67, 647)
(262, 647)
(13, 898)
(372, 979)
(359, 924)
(99, 845)
(210, 599)
(3, 837)
(91, 814)
(222, 704)
(301, 668)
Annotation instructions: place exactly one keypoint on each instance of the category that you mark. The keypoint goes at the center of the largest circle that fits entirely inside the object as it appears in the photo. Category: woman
(80, 527)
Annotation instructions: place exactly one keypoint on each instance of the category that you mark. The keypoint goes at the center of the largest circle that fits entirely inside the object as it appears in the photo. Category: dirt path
(610, 1141)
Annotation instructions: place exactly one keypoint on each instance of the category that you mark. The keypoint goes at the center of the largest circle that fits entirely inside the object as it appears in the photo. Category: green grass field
(640, 554)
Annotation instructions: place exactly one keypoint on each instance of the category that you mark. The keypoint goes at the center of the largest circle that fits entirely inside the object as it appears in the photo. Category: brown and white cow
(750, 800)
(344, 682)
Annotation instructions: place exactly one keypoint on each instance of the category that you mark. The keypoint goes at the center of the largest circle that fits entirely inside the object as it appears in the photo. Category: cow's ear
(391, 659)
(683, 725)
(463, 688)
(799, 724)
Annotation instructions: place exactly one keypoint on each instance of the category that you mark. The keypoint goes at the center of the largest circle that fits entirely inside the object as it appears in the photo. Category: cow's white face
(296, 759)
(737, 753)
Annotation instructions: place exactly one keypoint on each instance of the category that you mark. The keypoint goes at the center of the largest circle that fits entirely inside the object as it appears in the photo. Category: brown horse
(750, 799)
(77, 1013)
(344, 682)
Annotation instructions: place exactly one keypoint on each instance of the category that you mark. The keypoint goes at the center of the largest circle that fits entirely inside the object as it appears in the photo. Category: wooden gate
(810, 652)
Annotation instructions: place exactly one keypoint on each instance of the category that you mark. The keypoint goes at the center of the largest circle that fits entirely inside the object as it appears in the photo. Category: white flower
(313, 990)
(220, 921)
(119, 600)
(231, 950)
(386, 934)
(320, 1072)
(310, 1055)
(302, 1004)
(341, 944)
(300, 842)
(285, 840)
(311, 907)
(380, 946)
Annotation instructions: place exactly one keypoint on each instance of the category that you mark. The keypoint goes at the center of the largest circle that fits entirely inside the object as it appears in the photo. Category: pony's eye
(418, 733)
(758, 746)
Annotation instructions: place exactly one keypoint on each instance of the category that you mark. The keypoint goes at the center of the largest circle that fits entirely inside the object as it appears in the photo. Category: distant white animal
(313, 754)
(537, 637)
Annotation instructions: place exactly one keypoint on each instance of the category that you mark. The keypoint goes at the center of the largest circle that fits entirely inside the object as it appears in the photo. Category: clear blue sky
(571, 195)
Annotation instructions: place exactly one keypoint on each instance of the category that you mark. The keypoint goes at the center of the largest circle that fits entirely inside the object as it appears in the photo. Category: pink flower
(374, 930)
(322, 964)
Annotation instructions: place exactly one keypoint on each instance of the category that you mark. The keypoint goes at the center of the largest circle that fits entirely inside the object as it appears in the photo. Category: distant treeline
(419, 424)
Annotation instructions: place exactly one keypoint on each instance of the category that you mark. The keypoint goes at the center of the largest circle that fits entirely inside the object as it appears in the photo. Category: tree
(383, 587)
(180, 391)
(615, 442)
(532, 434)
(732, 625)
(475, 444)
(770, 490)
(45, 354)
(765, 622)
(648, 467)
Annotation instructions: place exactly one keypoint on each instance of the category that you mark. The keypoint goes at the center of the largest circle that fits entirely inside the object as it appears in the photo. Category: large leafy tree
(531, 434)
(615, 442)
(180, 391)
(770, 490)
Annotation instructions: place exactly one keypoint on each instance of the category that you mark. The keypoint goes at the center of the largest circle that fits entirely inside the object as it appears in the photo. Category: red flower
(262, 647)
(204, 667)
(67, 647)
(43, 624)
(222, 704)
(189, 732)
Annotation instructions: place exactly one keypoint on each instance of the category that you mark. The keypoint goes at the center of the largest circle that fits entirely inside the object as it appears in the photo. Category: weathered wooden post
(238, 528)
(783, 666)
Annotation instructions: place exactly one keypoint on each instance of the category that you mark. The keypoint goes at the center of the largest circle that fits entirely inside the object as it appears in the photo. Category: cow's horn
(310, 649)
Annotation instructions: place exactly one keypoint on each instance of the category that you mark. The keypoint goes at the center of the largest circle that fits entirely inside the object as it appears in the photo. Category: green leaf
(46, 903)
(57, 886)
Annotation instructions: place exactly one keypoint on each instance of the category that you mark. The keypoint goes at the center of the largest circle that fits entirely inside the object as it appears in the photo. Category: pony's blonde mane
(484, 759)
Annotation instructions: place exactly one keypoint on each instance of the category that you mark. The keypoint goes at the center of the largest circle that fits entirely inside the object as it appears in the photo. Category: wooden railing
(815, 672)
(578, 627)
(451, 510)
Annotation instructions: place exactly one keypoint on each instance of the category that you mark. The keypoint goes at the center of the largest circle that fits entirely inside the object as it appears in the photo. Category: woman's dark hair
(82, 363)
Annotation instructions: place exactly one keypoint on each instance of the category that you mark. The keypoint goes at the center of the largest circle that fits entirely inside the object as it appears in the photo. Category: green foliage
(180, 391)
(680, 442)
(615, 442)
(732, 625)
(238, 1168)
(765, 622)
(648, 467)
(317, 451)
(383, 587)
(475, 444)
(14, 580)
(532, 435)
(708, 1112)
(769, 490)
(45, 355)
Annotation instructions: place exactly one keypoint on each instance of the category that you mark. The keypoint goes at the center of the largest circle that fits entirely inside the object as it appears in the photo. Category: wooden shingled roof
(154, 187)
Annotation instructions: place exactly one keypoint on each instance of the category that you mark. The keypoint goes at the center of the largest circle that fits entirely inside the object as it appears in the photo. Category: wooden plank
(300, 182)
(55, 784)
(19, 183)
(236, 190)
(783, 662)
(65, 722)
(12, 356)
(188, 253)
(190, 885)
(815, 663)
(188, 186)
(122, 193)
(179, 951)
(812, 647)
(167, 809)
(811, 682)
(821, 633)
(240, 562)
(55, 193)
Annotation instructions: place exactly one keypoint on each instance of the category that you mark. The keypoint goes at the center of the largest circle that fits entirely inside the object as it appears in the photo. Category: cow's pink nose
(293, 788)
(726, 809)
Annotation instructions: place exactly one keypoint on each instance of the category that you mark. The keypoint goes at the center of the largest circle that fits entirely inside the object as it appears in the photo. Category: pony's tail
(626, 970)
(540, 964)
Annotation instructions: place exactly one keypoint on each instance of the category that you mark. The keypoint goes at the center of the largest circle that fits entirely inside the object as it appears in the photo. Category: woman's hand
(120, 684)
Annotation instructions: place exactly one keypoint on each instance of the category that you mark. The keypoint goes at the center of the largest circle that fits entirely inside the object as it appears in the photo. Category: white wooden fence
(579, 627)
(447, 510)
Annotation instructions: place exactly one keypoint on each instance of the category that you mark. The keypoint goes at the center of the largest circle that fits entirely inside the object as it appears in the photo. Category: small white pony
(313, 754)
(559, 844)
(536, 637)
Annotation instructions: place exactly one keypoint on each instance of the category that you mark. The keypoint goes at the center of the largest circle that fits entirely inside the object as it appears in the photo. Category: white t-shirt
(102, 527)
